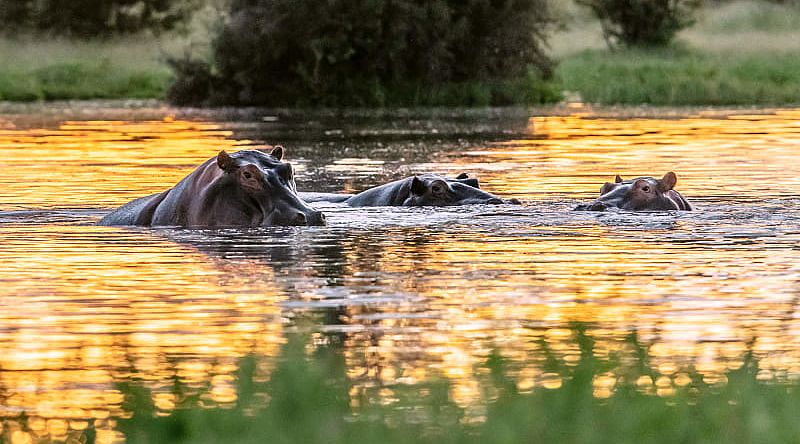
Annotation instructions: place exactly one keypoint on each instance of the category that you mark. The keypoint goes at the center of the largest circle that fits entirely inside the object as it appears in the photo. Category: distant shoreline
(158, 109)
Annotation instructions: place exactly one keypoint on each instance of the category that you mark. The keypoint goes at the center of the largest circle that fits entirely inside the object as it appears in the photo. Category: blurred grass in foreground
(308, 399)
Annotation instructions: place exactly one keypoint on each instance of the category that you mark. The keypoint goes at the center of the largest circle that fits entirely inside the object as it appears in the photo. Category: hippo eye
(247, 175)
(646, 189)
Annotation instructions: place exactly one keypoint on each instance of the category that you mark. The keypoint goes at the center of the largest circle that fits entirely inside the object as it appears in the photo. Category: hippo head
(640, 194)
(439, 191)
(268, 185)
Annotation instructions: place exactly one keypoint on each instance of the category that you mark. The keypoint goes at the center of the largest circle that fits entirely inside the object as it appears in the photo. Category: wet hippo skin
(247, 188)
(639, 194)
(420, 190)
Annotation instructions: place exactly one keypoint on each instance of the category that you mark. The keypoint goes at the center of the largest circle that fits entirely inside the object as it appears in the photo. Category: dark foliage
(92, 18)
(372, 52)
(195, 82)
(642, 22)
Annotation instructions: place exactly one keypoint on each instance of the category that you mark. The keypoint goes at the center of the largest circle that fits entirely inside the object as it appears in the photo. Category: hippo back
(180, 202)
(424, 190)
(136, 212)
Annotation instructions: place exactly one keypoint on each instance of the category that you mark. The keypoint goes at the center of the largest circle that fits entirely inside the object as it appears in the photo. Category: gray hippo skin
(248, 188)
(640, 194)
(415, 191)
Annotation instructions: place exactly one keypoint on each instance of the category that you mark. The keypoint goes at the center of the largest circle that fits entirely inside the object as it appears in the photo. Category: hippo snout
(309, 218)
(597, 206)
(298, 219)
(315, 218)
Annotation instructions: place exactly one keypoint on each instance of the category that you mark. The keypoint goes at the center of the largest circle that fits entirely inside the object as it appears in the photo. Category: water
(409, 294)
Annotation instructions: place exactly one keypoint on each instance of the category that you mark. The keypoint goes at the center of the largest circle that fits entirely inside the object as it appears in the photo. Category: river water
(412, 294)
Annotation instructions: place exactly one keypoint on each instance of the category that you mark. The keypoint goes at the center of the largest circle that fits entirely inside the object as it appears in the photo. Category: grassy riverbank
(55, 70)
(738, 53)
(310, 399)
(682, 77)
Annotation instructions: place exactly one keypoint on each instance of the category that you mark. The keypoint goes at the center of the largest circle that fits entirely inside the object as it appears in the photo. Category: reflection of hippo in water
(415, 191)
(640, 194)
(247, 188)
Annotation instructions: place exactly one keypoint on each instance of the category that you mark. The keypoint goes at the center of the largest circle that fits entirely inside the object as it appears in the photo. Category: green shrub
(367, 52)
(642, 22)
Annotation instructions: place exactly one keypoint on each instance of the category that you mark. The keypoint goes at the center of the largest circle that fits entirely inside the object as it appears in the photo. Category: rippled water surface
(411, 294)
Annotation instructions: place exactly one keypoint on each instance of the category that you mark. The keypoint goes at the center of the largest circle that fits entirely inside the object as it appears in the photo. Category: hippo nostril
(300, 219)
(315, 218)
(495, 201)
(598, 207)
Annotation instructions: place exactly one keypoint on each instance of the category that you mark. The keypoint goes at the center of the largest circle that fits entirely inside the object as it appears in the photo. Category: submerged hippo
(249, 188)
(640, 194)
(415, 191)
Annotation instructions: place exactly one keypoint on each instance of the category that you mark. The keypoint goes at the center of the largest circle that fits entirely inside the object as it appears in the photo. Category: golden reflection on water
(89, 307)
(690, 317)
(86, 307)
(102, 163)
(750, 156)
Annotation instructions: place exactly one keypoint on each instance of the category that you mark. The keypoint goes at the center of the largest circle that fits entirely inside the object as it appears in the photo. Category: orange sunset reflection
(751, 156)
(87, 308)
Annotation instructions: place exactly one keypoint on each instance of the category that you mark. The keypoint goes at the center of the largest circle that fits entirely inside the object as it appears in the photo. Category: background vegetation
(92, 18)
(741, 52)
(373, 52)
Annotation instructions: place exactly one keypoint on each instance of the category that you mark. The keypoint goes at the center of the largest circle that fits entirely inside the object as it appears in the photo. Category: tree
(359, 52)
(642, 22)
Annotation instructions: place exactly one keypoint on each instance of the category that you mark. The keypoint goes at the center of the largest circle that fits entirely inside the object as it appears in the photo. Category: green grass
(307, 399)
(59, 69)
(744, 52)
(682, 77)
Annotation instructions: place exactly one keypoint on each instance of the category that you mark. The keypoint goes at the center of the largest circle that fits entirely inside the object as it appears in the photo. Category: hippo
(639, 194)
(415, 191)
(248, 188)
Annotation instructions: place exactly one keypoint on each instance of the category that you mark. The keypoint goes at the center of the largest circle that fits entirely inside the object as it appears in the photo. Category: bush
(642, 22)
(364, 52)
(92, 18)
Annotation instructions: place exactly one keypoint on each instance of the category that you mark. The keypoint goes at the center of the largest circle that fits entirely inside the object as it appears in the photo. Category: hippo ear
(224, 161)
(462, 176)
(608, 186)
(277, 152)
(618, 179)
(418, 186)
(667, 182)
(471, 182)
